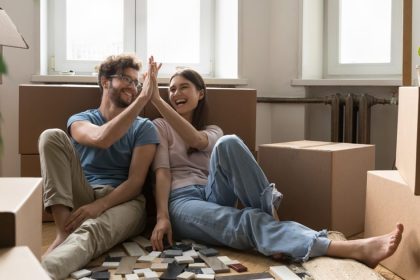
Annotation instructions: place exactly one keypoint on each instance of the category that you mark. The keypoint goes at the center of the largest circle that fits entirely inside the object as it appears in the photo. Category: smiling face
(115, 76)
(184, 96)
(121, 92)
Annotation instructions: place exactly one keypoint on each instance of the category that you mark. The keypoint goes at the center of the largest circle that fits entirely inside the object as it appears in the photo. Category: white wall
(269, 59)
(416, 37)
(21, 64)
(269, 39)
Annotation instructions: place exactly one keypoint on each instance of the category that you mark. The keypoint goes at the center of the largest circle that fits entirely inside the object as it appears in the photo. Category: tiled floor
(254, 262)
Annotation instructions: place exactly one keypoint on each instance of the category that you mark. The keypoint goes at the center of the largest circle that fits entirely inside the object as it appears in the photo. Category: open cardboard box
(407, 154)
(20, 263)
(20, 213)
(324, 183)
(393, 195)
(390, 200)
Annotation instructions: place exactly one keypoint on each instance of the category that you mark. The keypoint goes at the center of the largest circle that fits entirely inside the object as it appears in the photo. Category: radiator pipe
(289, 100)
(326, 100)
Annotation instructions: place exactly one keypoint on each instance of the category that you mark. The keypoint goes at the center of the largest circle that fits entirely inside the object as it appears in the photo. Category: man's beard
(115, 96)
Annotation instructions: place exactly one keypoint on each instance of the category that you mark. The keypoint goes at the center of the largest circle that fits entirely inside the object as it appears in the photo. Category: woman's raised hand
(155, 67)
(150, 85)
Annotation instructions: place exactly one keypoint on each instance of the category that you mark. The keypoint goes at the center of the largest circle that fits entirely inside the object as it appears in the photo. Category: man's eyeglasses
(128, 80)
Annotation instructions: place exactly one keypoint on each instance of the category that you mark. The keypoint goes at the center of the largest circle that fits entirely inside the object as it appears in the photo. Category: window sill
(85, 79)
(346, 82)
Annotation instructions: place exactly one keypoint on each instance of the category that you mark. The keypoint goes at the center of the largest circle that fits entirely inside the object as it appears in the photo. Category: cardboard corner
(407, 152)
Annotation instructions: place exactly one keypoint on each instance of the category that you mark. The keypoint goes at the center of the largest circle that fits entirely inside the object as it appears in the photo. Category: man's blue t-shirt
(111, 166)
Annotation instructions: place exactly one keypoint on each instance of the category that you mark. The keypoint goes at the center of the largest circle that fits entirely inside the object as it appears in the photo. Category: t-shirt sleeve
(77, 117)
(213, 134)
(161, 159)
(147, 134)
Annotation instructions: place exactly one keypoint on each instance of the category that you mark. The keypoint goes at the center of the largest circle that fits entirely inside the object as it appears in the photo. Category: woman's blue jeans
(208, 214)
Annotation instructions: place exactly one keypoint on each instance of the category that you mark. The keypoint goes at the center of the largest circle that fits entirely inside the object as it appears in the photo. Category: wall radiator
(350, 114)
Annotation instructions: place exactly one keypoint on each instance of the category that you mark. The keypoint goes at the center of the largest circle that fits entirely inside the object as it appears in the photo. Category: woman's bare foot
(369, 251)
(58, 240)
(379, 248)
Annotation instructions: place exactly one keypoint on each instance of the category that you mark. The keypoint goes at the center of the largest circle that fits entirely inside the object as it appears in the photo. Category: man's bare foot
(376, 249)
(58, 240)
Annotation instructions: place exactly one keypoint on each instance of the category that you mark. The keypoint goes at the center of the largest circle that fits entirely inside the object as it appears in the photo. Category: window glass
(94, 29)
(173, 30)
(179, 33)
(365, 31)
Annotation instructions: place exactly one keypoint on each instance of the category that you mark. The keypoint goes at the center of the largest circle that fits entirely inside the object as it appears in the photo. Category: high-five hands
(150, 79)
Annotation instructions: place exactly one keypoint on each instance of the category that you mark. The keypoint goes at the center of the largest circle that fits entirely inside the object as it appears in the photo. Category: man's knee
(51, 136)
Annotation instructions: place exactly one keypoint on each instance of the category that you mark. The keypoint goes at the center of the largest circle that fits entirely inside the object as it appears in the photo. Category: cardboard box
(324, 183)
(50, 106)
(390, 200)
(20, 263)
(20, 213)
(407, 158)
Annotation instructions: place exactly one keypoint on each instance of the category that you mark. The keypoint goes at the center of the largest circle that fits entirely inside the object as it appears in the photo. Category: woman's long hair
(199, 119)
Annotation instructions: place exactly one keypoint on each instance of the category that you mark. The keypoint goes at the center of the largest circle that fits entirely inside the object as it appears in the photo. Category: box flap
(20, 263)
(390, 175)
(407, 154)
(297, 144)
(15, 191)
(338, 147)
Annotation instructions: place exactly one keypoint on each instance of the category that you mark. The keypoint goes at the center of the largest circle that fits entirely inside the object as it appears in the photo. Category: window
(179, 33)
(364, 37)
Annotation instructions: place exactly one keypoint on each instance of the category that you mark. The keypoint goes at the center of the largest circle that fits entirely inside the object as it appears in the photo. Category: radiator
(350, 114)
(351, 117)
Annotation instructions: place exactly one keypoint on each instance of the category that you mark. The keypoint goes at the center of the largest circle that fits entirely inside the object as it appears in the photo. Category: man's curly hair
(116, 64)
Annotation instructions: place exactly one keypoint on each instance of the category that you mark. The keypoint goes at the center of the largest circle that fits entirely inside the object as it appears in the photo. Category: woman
(200, 175)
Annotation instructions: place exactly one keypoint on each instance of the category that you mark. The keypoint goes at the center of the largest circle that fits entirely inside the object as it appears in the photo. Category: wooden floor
(254, 262)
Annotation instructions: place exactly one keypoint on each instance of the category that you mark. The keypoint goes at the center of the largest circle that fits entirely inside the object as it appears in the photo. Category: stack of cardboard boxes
(394, 195)
(21, 227)
(330, 185)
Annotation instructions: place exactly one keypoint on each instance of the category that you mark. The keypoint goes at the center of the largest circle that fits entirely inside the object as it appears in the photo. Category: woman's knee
(229, 142)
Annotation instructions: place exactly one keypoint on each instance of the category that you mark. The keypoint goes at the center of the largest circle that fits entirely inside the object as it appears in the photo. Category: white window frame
(334, 68)
(135, 20)
(60, 45)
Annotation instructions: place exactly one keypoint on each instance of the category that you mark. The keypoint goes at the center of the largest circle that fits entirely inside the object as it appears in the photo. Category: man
(93, 181)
